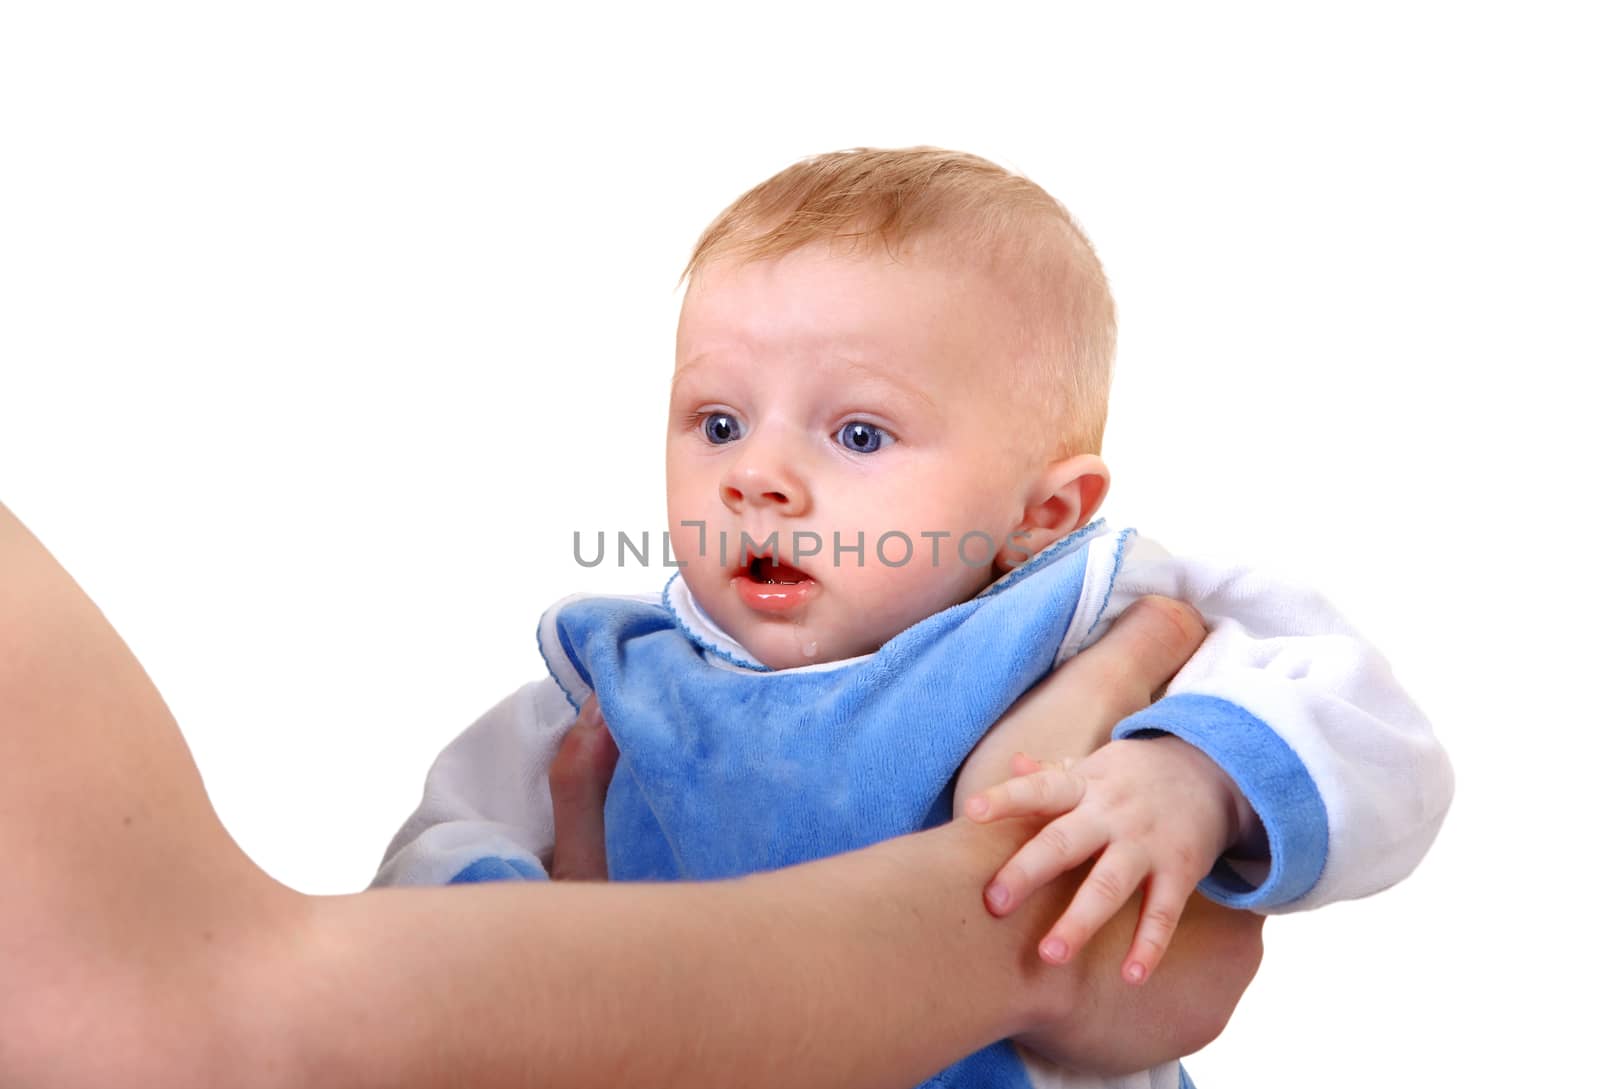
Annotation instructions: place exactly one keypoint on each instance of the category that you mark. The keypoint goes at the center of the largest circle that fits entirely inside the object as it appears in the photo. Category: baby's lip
(772, 588)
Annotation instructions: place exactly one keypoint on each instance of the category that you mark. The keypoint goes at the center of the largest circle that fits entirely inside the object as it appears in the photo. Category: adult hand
(1071, 713)
(579, 776)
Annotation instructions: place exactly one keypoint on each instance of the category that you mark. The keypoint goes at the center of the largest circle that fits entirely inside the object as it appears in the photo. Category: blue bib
(727, 770)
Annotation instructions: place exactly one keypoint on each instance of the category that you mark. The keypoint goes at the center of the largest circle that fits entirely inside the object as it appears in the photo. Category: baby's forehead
(920, 255)
(831, 363)
(854, 300)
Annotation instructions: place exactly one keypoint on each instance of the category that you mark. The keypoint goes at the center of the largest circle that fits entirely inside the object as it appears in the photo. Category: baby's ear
(1062, 500)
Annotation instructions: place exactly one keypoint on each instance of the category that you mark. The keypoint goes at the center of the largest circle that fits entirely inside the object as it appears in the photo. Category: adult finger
(1072, 711)
(579, 776)
(1146, 646)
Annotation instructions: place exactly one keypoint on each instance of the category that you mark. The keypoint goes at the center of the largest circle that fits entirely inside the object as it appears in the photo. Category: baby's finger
(1164, 899)
(1023, 764)
(1114, 878)
(1052, 789)
(1062, 844)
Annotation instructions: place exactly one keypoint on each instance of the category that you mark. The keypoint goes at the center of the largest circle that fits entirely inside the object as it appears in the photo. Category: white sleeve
(485, 812)
(1305, 715)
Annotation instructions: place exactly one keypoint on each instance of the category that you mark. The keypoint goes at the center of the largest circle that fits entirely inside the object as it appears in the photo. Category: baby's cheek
(897, 597)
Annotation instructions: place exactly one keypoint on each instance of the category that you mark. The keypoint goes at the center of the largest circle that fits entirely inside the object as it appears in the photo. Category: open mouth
(766, 570)
(770, 586)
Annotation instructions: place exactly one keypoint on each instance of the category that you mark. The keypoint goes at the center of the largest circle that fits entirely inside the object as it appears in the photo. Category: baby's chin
(791, 646)
(810, 637)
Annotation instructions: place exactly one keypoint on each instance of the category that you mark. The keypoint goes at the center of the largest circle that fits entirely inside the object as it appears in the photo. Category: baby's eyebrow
(865, 372)
(678, 375)
(898, 385)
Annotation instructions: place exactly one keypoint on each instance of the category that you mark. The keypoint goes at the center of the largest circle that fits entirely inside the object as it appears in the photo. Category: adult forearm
(876, 968)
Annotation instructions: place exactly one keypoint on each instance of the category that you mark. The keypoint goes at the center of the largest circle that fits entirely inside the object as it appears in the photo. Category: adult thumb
(579, 776)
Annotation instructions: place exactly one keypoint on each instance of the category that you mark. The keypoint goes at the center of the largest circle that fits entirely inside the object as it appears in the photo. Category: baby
(882, 469)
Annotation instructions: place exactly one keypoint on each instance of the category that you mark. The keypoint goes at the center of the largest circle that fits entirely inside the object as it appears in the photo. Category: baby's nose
(755, 486)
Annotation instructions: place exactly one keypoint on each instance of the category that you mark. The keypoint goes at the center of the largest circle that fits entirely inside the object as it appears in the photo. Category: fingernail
(977, 807)
(1136, 973)
(1054, 949)
(998, 896)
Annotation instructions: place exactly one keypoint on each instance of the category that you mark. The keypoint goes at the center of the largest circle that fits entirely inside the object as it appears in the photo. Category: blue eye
(719, 428)
(863, 438)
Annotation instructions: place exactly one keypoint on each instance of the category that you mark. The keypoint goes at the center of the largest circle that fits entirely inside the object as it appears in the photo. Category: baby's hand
(1158, 811)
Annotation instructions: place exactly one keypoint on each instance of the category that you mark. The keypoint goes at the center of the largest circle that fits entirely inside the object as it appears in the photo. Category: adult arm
(138, 944)
(1110, 1028)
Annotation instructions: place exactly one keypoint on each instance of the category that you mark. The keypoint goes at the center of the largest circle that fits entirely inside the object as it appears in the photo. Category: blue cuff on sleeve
(1273, 781)
(498, 869)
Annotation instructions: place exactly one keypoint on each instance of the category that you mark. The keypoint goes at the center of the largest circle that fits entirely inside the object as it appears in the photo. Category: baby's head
(907, 350)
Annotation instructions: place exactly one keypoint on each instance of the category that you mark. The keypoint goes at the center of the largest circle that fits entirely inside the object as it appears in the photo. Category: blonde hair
(969, 209)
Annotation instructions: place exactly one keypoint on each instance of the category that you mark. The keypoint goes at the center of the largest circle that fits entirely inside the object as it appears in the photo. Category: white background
(322, 328)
